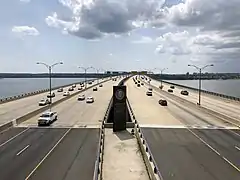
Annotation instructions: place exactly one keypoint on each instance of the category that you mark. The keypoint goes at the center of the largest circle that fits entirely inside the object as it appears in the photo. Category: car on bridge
(74, 85)
(142, 84)
(90, 82)
(162, 102)
(43, 102)
(170, 90)
(184, 92)
(95, 89)
(47, 118)
(90, 99)
(81, 97)
(138, 85)
(66, 93)
(149, 93)
(150, 89)
(60, 90)
(100, 85)
(70, 89)
(172, 87)
(80, 88)
(51, 95)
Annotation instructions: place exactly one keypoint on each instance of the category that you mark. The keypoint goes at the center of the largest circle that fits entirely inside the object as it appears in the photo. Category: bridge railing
(153, 171)
(204, 91)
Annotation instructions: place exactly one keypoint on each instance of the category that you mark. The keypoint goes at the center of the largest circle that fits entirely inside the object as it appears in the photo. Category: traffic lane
(21, 155)
(225, 142)
(10, 133)
(71, 111)
(180, 155)
(15, 109)
(95, 111)
(225, 107)
(72, 163)
(146, 108)
(187, 113)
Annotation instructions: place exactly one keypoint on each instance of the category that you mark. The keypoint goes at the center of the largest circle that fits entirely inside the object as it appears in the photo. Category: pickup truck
(47, 118)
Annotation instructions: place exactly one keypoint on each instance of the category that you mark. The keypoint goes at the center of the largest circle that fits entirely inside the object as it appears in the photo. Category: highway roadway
(227, 107)
(74, 113)
(186, 142)
(14, 109)
(66, 150)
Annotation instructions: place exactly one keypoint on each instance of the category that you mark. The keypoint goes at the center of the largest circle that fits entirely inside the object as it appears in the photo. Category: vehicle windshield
(45, 115)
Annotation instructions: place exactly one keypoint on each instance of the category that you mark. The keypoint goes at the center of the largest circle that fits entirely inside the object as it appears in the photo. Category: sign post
(119, 108)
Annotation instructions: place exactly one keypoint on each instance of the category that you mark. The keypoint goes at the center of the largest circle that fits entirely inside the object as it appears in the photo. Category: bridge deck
(224, 106)
(180, 155)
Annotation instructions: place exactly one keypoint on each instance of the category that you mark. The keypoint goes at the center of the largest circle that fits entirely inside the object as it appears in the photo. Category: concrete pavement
(223, 106)
(74, 113)
(182, 156)
(15, 109)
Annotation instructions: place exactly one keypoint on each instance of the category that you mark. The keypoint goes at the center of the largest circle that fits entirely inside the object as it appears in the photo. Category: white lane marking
(214, 150)
(13, 137)
(238, 148)
(20, 152)
(31, 173)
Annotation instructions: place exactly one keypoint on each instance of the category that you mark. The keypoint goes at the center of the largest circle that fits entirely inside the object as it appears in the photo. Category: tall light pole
(49, 67)
(85, 73)
(161, 70)
(200, 79)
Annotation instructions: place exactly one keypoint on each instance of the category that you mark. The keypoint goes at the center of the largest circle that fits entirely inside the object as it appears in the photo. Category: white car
(66, 93)
(43, 102)
(60, 90)
(81, 97)
(51, 95)
(90, 100)
(47, 118)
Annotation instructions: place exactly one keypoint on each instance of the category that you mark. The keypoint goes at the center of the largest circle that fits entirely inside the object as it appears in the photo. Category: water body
(229, 87)
(17, 86)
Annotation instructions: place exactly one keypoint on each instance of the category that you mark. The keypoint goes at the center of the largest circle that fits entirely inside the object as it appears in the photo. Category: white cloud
(110, 54)
(160, 49)
(25, 31)
(143, 40)
(96, 18)
(25, 1)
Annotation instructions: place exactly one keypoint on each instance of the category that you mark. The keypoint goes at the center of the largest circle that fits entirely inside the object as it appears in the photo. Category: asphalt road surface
(183, 154)
(47, 153)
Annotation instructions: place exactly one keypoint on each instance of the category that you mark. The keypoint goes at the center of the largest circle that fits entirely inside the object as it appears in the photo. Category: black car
(142, 83)
(172, 87)
(162, 102)
(170, 90)
(95, 89)
(138, 85)
(184, 92)
(70, 89)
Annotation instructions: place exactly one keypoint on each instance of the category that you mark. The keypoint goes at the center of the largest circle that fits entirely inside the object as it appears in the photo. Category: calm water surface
(229, 87)
(12, 86)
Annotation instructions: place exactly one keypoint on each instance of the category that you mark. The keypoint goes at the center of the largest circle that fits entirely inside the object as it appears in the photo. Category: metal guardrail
(205, 91)
(151, 164)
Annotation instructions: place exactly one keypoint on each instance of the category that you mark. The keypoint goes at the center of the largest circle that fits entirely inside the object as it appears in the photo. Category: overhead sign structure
(119, 108)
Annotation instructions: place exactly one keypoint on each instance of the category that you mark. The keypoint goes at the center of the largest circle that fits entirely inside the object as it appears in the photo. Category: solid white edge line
(31, 173)
(20, 152)
(238, 148)
(214, 150)
(13, 137)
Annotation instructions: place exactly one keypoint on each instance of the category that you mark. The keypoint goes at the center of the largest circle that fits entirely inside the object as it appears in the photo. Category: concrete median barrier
(6, 126)
(42, 109)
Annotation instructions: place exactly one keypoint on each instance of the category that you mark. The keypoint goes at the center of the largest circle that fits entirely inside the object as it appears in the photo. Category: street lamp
(103, 70)
(200, 79)
(85, 73)
(49, 67)
(161, 70)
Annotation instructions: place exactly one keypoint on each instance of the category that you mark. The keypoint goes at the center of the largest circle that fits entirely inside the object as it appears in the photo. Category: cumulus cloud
(25, 31)
(102, 17)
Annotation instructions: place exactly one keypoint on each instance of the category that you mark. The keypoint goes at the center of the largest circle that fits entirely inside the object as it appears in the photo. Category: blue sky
(119, 34)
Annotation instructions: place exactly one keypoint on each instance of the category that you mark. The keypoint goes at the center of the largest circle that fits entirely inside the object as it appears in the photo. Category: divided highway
(65, 150)
(226, 107)
(186, 142)
(15, 109)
